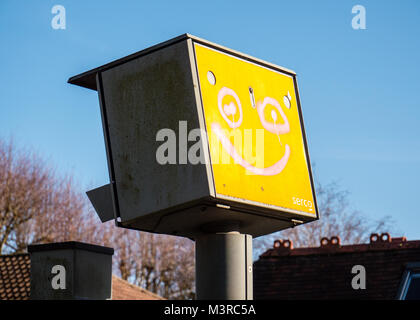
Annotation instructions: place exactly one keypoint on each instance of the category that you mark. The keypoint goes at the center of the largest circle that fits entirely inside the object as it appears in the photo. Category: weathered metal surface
(101, 199)
(142, 97)
(87, 271)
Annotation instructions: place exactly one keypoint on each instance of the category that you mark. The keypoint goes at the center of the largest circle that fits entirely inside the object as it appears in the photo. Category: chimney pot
(324, 241)
(277, 243)
(385, 237)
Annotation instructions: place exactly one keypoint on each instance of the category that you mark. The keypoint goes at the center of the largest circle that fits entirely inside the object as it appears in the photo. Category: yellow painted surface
(274, 172)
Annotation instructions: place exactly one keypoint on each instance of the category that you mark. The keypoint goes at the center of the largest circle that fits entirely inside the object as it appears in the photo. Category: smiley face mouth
(230, 149)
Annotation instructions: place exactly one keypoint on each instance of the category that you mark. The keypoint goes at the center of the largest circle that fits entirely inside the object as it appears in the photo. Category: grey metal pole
(223, 266)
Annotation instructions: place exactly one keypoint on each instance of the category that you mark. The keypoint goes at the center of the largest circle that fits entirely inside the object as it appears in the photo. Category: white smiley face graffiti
(233, 111)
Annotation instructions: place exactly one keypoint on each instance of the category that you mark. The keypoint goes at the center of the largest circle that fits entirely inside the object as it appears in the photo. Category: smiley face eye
(229, 111)
(273, 127)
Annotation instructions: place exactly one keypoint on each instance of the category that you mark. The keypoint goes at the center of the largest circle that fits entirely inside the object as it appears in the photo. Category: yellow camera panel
(255, 134)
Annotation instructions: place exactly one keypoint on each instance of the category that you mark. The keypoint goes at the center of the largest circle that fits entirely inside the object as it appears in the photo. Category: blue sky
(360, 89)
